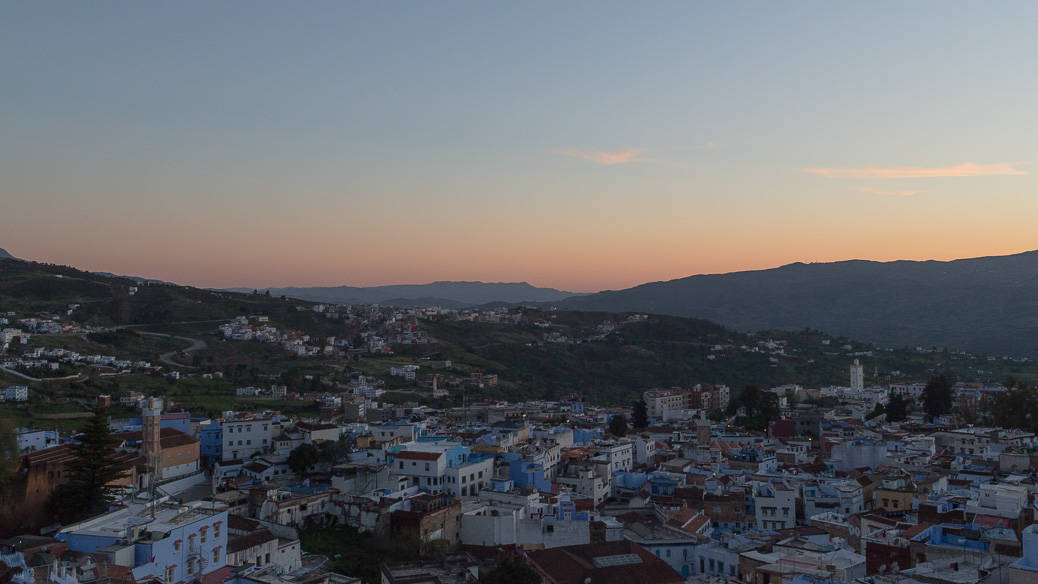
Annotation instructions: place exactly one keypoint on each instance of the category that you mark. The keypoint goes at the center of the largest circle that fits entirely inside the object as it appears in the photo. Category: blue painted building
(181, 543)
(210, 438)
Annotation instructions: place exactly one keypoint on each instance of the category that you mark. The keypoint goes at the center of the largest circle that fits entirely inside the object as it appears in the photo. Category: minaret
(857, 376)
(151, 417)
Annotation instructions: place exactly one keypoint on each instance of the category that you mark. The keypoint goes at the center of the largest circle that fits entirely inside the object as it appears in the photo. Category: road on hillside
(167, 358)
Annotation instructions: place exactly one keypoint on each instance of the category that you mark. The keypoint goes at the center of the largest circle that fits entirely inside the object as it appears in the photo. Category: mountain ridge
(986, 304)
(448, 293)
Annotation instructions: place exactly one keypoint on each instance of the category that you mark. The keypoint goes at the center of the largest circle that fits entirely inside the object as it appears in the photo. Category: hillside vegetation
(985, 305)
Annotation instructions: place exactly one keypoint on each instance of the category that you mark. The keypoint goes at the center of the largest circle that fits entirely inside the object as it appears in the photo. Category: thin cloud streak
(606, 158)
(964, 169)
(873, 191)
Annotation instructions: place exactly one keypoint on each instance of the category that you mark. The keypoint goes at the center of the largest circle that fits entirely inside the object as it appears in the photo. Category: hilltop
(987, 305)
(32, 287)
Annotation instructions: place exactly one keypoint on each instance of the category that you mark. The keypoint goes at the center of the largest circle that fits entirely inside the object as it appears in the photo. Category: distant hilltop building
(857, 376)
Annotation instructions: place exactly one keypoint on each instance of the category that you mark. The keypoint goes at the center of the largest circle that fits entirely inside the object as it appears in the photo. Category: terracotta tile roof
(915, 530)
(576, 564)
(168, 437)
(695, 524)
(251, 540)
(239, 523)
(218, 576)
(63, 454)
(120, 574)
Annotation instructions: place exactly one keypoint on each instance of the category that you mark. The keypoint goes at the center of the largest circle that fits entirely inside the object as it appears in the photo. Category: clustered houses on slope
(822, 495)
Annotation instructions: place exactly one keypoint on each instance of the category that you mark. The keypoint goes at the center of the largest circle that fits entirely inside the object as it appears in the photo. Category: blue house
(180, 544)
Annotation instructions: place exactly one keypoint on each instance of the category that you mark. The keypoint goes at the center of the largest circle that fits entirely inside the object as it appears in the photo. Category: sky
(578, 145)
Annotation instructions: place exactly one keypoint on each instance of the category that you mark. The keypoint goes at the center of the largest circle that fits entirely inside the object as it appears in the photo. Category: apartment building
(775, 503)
(243, 438)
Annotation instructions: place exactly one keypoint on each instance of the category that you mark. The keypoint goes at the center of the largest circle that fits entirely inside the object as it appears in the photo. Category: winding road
(167, 358)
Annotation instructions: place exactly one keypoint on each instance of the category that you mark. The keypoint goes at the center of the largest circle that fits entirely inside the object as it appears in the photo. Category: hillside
(985, 304)
(446, 294)
(605, 357)
(32, 288)
(663, 351)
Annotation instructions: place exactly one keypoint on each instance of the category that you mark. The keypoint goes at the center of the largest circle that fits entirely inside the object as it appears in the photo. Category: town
(857, 484)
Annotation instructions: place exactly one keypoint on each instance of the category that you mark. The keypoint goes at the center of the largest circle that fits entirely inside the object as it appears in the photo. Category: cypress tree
(88, 490)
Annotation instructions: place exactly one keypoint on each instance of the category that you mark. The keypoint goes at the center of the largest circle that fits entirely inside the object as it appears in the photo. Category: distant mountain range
(445, 294)
(6, 256)
(137, 279)
(987, 304)
(984, 305)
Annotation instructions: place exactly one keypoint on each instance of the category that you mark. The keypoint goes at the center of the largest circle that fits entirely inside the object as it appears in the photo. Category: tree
(877, 410)
(511, 570)
(761, 407)
(334, 451)
(1017, 408)
(618, 425)
(937, 396)
(302, 458)
(8, 459)
(639, 414)
(897, 409)
(89, 489)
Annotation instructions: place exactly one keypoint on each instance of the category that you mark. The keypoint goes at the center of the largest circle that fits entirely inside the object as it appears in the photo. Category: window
(176, 546)
(427, 466)
(265, 429)
(401, 465)
(203, 532)
(267, 560)
(169, 573)
(216, 555)
(216, 529)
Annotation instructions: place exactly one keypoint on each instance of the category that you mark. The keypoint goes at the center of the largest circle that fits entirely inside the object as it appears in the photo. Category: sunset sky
(579, 145)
